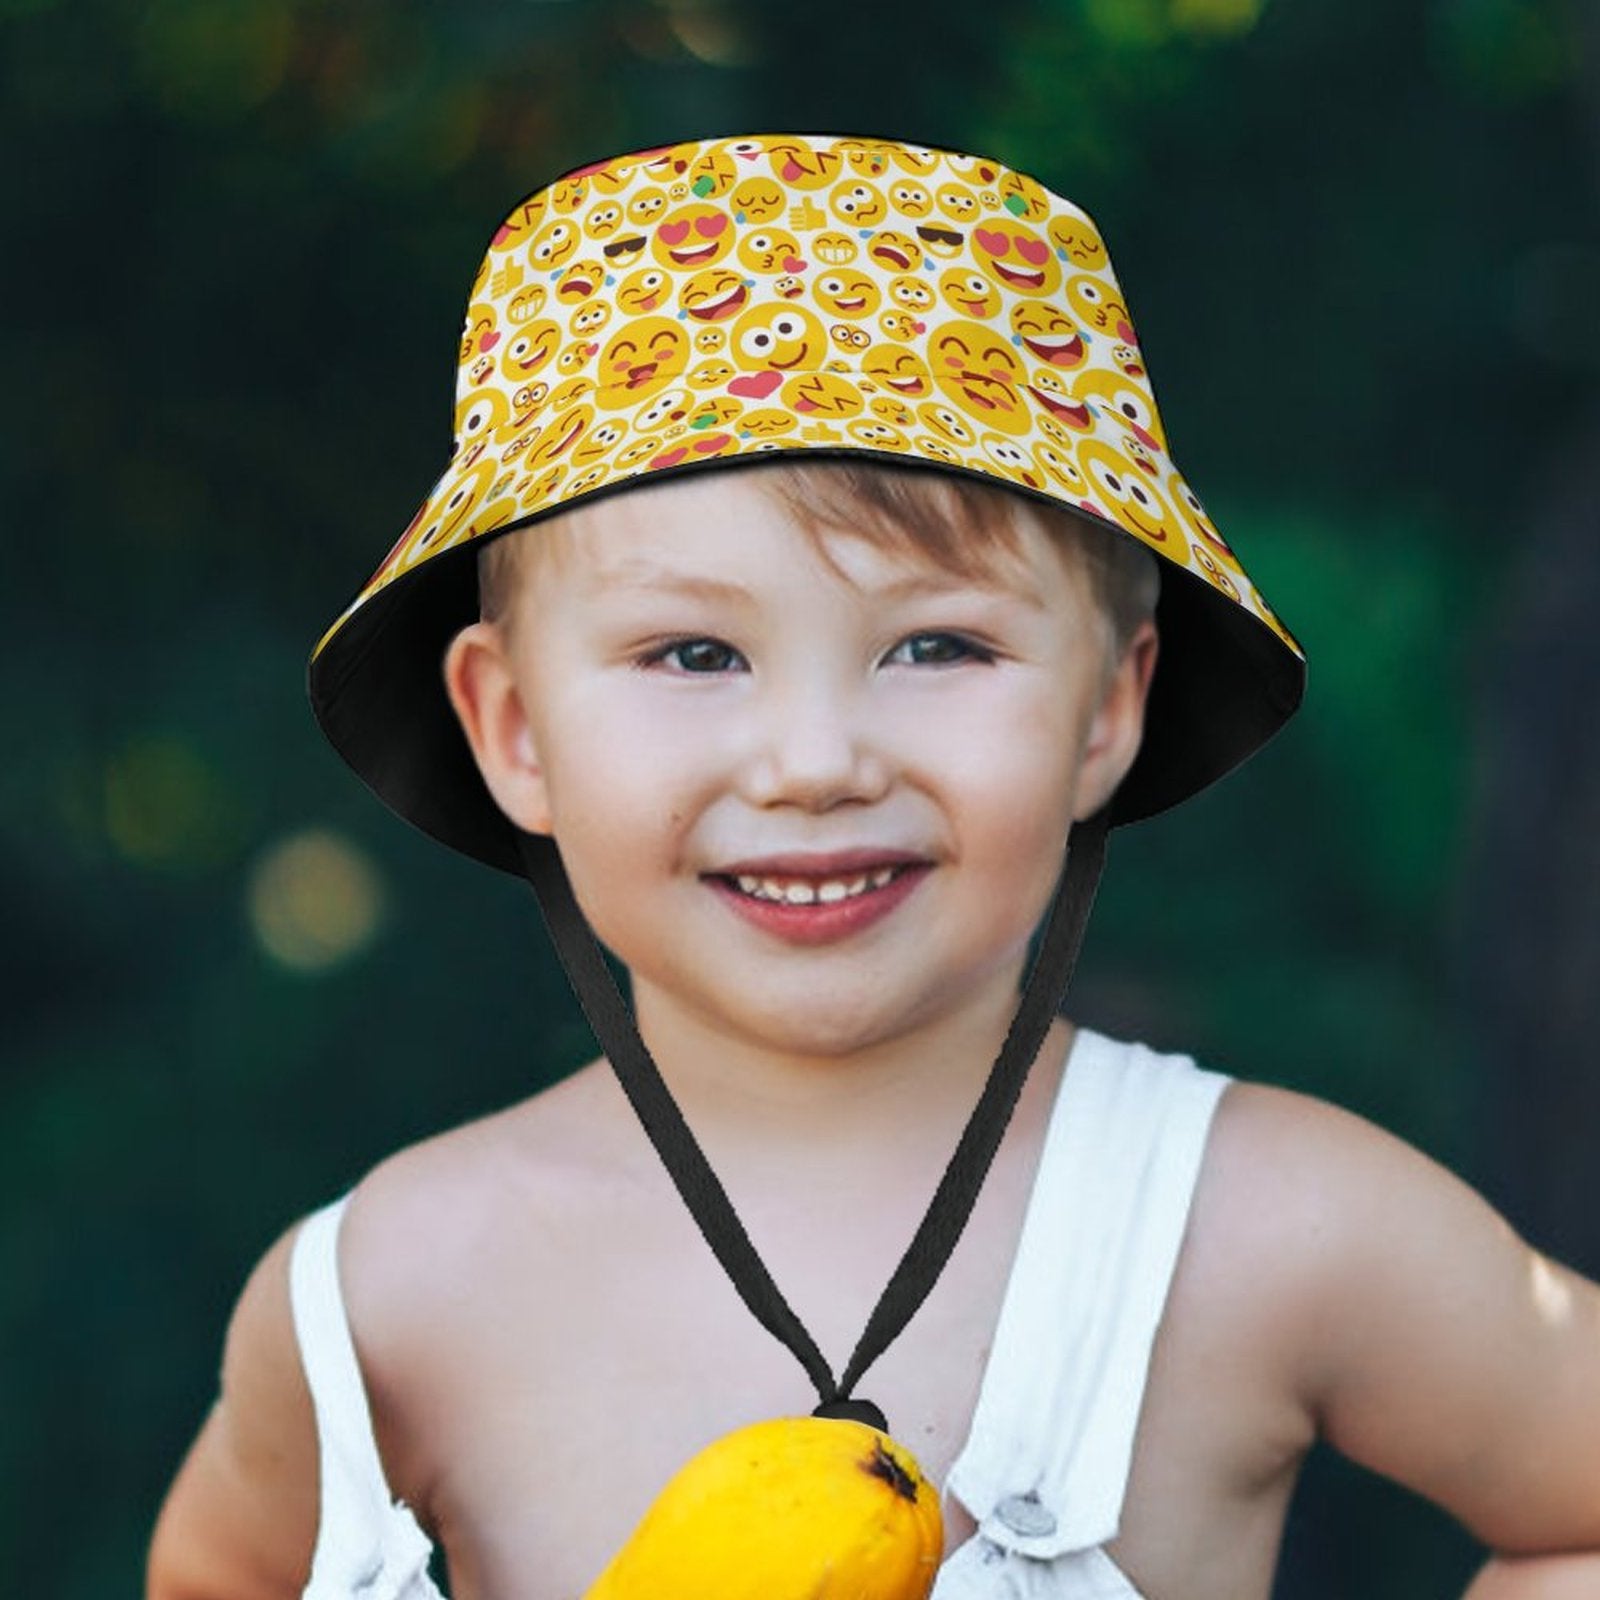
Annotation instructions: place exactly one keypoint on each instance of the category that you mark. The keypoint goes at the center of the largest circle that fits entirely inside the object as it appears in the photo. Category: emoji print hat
(725, 301)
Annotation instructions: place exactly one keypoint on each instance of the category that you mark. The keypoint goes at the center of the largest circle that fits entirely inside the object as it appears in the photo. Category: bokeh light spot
(315, 899)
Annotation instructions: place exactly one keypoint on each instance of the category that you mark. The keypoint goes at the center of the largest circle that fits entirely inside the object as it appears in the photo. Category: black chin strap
(704, 1195)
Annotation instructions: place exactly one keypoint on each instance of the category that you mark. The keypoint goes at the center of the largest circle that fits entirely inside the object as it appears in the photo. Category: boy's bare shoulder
(437, 1201)
(1418, 1333)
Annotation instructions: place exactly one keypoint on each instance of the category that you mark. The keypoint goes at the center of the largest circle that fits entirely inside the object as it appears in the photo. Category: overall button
(1023, 1515)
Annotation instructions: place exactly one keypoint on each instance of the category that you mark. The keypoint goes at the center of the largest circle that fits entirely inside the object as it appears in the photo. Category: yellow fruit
(799, 1508)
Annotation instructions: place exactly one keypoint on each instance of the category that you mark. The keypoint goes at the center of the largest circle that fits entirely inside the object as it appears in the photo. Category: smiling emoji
(1048, 335)
(980, 372)
(1128, 403)
(1123, 493)
(641, 359)
(778, 339)
(712, 295)
(968, 294)
(531, 350)
(1016, 257)
(693, 236)
(847, 294)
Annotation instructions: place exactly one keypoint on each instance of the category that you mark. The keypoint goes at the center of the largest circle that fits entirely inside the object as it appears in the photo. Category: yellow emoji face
(1016, 257)
(939, 240)
(968, 294)
(570, 193)
(441, 524)
(568, 394)
(1126, 494)
(711, 295)
(578, 282)
(640, 359)
(714, 411)
(949, 425)
(1023, 198)
(869, 157)
(1062, 411)
(756, 200)
(899, 325)
(911, 294)
(898, 371)
(554, 245)
(937, 449)
(529, 350)
(768, 422)
(1049, 335)
(895, 412)
(525, 401)
(825, 396)
(667, 410)
(894, 252)
(1077, 238)
(1197, 523)
(603, 220)
(592, 318)
(769, 250)
(1055, 463)
(835, 249)
(711, 374)
(911, 198)
(711, 174)
(847, 294)
(599, 441)
(850, 336)
(957, 202)
(1013, 459)
(797, 165)
(876, 434)
(778, 339)
(558, 437)
(980, 372)
(708, 341)
(574, 358)
(645, 208)
(478, 415)
(643, 291)
(1211, 569)
(526, 303)
(623, 251)
(858, 204)
(693, 236)
(1100, 310)
(1128, 403)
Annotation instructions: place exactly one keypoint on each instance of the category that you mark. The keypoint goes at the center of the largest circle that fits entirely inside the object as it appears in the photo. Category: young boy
(824, 627)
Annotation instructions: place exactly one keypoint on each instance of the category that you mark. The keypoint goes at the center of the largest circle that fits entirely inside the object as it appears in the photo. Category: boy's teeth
(812, 891)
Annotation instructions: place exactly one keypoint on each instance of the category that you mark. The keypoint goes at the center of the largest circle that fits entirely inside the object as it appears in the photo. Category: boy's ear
(489, 705)
(1117, 730)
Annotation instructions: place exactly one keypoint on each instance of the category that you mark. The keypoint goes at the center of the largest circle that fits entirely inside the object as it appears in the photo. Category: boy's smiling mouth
(816, 899)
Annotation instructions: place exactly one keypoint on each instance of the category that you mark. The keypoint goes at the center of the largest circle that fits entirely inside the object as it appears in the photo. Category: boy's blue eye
(700, 656)
(937, 650)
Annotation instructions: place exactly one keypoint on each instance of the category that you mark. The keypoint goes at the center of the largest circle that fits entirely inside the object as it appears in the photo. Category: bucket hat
(724, 300)
(714, 303)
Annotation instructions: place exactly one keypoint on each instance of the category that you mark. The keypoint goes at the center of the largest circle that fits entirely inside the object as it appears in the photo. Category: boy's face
(818, 797)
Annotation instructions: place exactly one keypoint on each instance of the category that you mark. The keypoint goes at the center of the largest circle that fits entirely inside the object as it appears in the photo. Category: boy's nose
(814, 752)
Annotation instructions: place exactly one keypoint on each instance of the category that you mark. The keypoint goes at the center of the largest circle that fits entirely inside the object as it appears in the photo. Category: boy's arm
(240, 1520)
(1433, 1345)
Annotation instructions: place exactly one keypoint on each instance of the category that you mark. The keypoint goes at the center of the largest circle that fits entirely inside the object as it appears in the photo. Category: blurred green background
(1362, 241)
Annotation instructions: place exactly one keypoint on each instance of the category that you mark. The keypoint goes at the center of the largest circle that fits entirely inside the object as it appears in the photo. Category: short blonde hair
(960, 523)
